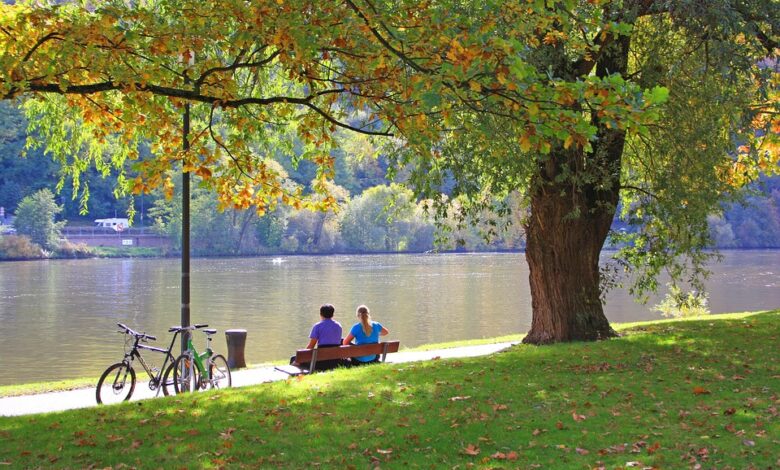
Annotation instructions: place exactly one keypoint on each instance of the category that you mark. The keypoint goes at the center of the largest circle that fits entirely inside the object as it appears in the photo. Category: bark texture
(573, 201)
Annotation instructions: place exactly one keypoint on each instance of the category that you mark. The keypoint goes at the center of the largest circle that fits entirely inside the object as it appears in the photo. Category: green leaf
(658, 95)
(431, 99)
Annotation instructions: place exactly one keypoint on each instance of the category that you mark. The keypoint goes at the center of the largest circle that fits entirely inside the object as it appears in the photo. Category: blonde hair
(365, 319)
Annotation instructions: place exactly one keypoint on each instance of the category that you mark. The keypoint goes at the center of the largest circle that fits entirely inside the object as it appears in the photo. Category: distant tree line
(374, 215)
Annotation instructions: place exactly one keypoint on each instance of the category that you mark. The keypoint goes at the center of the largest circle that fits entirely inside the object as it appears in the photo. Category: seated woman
(365, 332)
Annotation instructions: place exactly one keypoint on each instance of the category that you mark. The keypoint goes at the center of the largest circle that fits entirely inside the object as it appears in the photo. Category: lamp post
(185, 217)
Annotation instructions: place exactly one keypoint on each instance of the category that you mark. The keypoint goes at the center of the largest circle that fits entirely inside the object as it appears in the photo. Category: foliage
(35, 218)
(636, 404)
(18, 247)
(126, 252)
(679, 304)
(380, 219)
(73, 250)
(570, 104)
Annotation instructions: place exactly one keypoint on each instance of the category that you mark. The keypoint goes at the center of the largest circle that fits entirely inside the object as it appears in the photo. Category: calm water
(57, 318)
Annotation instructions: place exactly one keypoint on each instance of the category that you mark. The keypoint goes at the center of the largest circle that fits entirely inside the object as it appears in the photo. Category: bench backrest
(343, 352)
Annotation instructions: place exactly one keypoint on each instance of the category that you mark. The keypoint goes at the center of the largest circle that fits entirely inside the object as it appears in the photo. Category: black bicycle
(118, 381)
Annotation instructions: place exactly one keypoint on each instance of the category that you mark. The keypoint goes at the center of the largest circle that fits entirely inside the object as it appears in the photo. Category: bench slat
(343, 352)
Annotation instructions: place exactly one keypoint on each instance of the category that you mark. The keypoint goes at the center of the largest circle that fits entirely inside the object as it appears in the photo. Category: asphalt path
(85, 398)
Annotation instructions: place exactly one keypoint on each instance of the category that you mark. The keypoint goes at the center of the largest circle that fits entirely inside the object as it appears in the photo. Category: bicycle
(193, 371)
(117, 383)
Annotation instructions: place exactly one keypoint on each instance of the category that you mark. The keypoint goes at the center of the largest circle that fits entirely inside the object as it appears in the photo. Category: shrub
(679, 304)
(19, 247)
(74, 250)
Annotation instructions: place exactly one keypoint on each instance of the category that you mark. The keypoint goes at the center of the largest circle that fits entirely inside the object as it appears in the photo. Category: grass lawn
(666, 394)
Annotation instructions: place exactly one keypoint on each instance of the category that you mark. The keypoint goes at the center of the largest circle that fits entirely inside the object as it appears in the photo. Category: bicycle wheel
(185, 375)
(219, 372)
(167, 381)
(116, 384)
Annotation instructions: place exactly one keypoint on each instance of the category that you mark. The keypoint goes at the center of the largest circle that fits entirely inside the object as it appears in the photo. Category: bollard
(236, 340)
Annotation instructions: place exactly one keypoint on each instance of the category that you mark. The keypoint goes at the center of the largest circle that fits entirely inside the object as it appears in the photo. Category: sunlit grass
(708, 397)
(622, 328)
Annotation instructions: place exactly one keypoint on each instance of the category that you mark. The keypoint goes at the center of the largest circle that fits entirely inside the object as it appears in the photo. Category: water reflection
(55, 310)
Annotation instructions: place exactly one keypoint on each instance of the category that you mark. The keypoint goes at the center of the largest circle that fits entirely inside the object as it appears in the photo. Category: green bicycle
(193, 371)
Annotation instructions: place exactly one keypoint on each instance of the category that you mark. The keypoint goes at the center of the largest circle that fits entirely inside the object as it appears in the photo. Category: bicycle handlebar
(187, 328)
(130, 331)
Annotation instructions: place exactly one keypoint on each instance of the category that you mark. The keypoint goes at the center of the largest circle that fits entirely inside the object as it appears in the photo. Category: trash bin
(236, 341)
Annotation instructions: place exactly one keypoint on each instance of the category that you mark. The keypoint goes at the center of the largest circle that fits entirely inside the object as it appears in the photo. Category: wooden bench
(311, 356)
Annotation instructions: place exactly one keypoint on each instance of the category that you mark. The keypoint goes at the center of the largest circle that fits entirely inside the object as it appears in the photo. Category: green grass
(671, 394)
(126, 252)
(44, 387)
(86, 382)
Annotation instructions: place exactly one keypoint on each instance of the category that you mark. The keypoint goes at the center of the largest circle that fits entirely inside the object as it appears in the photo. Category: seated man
(326, 333)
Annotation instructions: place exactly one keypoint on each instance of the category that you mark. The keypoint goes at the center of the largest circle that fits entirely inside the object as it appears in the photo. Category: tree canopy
(574, 104)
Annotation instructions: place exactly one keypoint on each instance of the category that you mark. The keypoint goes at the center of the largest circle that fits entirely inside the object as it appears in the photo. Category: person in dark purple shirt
(324, 334)
(327, 332)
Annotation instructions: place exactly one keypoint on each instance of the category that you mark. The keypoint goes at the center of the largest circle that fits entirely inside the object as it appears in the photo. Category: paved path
(85, 398)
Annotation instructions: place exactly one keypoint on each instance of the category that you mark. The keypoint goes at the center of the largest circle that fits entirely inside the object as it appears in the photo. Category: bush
(74, 250)
(19, 247)
(679, 304)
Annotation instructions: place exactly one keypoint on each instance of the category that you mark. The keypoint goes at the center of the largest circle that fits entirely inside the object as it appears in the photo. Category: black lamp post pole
(185, 231)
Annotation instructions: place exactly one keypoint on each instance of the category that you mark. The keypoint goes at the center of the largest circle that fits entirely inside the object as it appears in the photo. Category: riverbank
(665, 394)
(449, 349)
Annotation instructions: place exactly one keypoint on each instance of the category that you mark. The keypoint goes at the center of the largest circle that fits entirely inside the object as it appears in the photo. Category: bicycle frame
(199, 359)
(155, 380)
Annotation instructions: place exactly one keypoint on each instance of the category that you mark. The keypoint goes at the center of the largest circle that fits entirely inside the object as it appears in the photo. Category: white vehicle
(116, 224)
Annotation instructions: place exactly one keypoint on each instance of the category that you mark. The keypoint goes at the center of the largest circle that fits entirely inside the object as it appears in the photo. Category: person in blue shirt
(365, 332)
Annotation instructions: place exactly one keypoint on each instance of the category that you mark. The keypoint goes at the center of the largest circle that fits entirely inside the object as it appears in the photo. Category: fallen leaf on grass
(698, 390)
(5, 462)
(729, 411)
(582, 451)
(384, 451)
(653, 448)
(114, 438)
(749, 443)
(136, 444)
(460, 398)
(559, 425)
(499, 407)
(192, 432)
(633, 463)
(578, 417)
(85, 443)
(537, 431)
(471, 449)
(352, 446)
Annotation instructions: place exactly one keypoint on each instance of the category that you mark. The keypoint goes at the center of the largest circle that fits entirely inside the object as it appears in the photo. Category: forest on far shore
(374, 215)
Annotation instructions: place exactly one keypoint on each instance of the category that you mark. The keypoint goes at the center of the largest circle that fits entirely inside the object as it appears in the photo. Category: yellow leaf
(525, 143)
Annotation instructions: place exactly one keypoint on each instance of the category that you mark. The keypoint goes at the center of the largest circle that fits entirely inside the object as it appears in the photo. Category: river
(57, 318)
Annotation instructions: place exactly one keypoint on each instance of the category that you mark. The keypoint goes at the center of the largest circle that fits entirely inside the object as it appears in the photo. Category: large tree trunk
(562, 251)
(573, 201)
